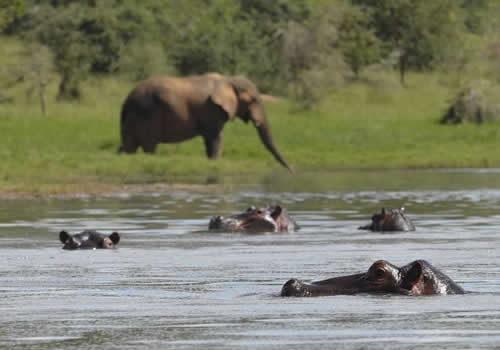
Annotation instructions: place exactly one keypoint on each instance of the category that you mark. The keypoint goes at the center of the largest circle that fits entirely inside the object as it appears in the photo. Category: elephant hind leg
(129, 145)
(149, 147)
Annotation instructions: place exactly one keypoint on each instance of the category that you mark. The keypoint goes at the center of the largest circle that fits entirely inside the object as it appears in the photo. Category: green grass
(370, 124)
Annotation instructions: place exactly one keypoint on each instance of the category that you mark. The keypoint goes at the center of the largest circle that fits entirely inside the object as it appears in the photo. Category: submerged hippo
(416, 278)
(270, 219)
(390, 220)
(89, 239)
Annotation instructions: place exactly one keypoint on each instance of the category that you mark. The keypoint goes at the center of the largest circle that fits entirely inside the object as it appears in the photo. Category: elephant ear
(225, 97)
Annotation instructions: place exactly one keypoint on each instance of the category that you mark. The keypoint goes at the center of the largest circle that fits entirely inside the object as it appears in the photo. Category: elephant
(417, 278)
(170, 109)
(270, 219)
(390, 220)
(88, 239)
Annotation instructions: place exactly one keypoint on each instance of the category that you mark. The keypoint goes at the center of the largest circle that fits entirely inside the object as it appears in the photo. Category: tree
(86, 36)
(357, 40)
(310, 60)
(29, 65)
(72, 52)
(36, 71)
(9, 10)
(475, 11)
(420, 31)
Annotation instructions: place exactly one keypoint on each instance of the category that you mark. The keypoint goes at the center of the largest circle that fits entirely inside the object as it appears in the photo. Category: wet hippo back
(264, 219)
(390, 220)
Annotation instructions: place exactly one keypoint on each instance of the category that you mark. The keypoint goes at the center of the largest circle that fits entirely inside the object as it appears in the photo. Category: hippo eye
(379, 273)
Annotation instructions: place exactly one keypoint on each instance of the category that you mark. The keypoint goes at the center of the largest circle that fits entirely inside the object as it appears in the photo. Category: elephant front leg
(213, 145)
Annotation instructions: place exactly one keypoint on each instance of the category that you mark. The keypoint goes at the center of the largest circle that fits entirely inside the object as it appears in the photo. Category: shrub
(471, 106)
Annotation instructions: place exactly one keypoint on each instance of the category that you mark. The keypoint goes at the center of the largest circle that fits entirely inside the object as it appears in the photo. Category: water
(171, 284)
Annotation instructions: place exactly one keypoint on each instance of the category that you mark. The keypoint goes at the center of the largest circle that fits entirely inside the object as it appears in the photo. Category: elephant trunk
(265, 136)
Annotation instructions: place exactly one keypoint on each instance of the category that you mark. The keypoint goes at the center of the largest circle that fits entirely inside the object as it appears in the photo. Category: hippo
(89, 239)
(269, 219)
(390, 220)
(417, 278)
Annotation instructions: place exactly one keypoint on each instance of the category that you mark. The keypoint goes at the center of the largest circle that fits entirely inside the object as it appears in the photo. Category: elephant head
(238, 96)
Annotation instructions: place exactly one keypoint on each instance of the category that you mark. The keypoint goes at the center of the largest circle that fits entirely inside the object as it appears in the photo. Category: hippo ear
(412, 275)
(114, 237)
(64, 236)
(276, 212)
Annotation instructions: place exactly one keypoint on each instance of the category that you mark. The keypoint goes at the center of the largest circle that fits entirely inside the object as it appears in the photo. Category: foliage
(58, 30)
(421, 31)
(357, 40)
(234, 37)
(9, 10)
(298, 48)
(475, 12)
(36, 72)
(312, 64)
(140, 60)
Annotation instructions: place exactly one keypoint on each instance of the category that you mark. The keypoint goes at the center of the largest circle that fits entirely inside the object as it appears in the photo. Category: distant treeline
(300, 48)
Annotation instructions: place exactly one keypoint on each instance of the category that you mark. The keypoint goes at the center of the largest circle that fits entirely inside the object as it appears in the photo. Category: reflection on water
(172, 284)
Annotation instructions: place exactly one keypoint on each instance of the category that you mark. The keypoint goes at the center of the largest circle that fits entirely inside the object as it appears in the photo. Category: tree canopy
(286, 46)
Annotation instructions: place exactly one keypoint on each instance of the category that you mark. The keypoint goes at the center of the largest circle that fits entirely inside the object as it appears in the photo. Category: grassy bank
(370, 124)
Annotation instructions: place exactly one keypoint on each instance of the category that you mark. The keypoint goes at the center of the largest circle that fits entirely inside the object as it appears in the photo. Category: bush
(140, 60)
(471, 106)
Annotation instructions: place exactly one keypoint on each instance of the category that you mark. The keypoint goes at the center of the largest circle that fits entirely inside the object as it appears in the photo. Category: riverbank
(374, 124)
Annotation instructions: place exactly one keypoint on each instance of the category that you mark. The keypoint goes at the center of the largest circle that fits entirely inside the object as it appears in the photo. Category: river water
(172, 284)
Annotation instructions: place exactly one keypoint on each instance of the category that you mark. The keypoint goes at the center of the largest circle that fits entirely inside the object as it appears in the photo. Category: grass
(368, 124)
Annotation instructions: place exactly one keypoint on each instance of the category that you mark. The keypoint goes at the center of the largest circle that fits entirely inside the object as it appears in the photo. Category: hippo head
(390, 220)
(88, 240)
(252, 220)
(416, 278)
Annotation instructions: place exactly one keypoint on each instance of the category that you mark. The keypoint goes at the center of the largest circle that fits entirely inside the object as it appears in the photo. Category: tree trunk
(403, 63)
(41, 92)
(68, 88)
